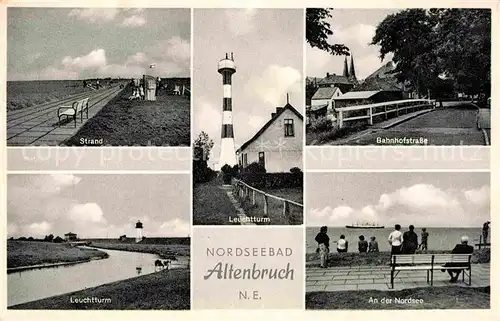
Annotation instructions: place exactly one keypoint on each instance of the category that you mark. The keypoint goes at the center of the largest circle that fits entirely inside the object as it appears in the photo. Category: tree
(408, 36)
(318, 30)
(428, 44)
(201, 150)
(464, 37)
(49, 238)
(203, 144)
(58, 239)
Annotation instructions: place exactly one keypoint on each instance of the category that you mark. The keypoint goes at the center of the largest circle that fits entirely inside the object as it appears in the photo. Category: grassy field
(452, 297)
(22, 94)
(164, 122)
(381, 258)
(25, 253)
(162, 250)
(318, 136)
(275, 207)
(211, 205)
(164, 290)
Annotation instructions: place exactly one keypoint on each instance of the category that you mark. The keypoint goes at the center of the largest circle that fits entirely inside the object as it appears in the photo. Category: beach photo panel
(398, 240)
(98, 76)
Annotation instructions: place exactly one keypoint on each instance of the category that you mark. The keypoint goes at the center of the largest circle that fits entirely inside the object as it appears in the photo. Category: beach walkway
(38, 125)
(344, 278)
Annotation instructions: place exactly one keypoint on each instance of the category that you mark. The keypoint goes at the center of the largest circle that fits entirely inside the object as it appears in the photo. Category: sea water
(439, 239)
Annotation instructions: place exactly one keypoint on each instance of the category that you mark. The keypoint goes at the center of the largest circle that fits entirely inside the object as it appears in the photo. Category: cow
(159, 264)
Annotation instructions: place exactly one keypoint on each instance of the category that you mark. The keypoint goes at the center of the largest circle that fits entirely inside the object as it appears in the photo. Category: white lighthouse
(138, 229)
(227, 156)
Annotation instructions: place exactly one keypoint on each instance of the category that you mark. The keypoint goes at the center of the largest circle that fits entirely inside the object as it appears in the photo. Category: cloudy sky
(98, 205)
(354, 28)
(65, 43)
(267, 46)
(428, 199)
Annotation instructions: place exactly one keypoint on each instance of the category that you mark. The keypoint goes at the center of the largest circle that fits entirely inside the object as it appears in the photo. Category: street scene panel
(248, 117)
(398, 77)
(98, 77)
(98, 242)
(398, 241)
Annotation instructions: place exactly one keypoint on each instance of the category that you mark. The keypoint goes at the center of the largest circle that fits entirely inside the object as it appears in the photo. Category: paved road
(39, 126)
(343, 278)
(456, 125)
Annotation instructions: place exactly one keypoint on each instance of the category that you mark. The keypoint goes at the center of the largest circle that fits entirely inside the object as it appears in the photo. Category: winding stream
(31, 285)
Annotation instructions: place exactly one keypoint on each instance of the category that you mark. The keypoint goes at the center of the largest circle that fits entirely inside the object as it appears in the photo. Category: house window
(289, 128)
(245, 163)
(262, 159)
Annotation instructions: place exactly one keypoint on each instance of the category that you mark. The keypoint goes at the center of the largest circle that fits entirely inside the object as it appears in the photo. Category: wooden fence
(386, 108)
(247, 193)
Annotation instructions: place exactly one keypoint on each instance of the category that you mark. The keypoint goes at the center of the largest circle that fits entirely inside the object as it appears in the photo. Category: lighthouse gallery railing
(248, 193)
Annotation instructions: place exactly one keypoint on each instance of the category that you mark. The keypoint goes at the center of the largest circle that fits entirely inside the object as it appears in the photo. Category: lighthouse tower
(227, 68)
(138, 229)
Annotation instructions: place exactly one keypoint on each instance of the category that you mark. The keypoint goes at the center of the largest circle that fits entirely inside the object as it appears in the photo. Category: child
(362, 245)
(342, 244)
(373, 246)
(425, 235)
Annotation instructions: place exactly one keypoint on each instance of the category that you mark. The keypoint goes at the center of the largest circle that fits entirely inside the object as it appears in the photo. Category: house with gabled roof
(277, 146)
(383, 79)
(322, 102)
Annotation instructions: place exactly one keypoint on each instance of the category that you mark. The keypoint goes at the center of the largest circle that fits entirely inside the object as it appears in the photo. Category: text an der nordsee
(229, 271)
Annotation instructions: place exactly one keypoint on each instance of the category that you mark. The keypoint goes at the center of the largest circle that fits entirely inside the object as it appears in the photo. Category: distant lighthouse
(227, 68)
(138, 229)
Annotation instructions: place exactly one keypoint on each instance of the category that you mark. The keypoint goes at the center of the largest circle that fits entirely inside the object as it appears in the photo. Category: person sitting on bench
(463, 248)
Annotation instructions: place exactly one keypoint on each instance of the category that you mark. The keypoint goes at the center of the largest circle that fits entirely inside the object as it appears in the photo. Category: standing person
(462, 248)
(97, 86)
(410, 241)
(396, 240)
(486, 227)
(323, 245)
(84, 84)
(342, 244)
(425, 235)
(141, 92)
(158, 85)
(373, 245)
(362, 244)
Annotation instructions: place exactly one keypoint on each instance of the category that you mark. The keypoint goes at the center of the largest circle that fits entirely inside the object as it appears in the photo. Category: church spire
(346, 71)
(352, 71)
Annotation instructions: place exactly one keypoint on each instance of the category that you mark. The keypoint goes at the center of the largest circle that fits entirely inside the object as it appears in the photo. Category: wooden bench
(77, 107)
(429, 263)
